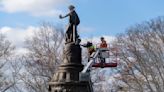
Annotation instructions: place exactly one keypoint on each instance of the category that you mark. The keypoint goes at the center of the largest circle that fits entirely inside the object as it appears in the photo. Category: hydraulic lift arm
(91, 62)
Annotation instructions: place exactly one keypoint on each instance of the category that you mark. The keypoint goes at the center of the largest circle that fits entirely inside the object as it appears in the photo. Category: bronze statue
(71, 32)
(67, 77)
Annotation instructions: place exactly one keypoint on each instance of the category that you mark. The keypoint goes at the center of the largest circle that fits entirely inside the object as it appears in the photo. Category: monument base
(66, 78)
(70, 86)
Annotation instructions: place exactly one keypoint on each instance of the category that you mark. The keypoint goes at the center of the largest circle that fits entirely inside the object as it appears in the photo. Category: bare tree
(99, 80)
(142, 57)
(6, 50)
(43, 56)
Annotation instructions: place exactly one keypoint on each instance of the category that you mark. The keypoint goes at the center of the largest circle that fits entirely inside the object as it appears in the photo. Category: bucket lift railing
(85, 74)
(91, 62)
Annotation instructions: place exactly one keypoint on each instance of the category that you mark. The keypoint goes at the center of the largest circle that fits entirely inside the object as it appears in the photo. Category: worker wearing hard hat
(103, 43)
(90, 47)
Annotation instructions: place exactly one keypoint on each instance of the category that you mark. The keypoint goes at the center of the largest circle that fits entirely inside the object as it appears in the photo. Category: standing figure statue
(71, 32)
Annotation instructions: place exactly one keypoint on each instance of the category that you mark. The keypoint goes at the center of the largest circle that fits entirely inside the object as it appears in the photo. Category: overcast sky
(98, 17)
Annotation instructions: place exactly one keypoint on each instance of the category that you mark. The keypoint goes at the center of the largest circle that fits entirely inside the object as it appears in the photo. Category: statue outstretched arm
(61, 17)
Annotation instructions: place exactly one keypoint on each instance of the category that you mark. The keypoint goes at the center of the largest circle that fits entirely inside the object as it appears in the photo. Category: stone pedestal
(66, 78)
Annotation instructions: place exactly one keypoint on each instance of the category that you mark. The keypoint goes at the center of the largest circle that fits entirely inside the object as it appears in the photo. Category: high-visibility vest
(103, 44)
(91, 49)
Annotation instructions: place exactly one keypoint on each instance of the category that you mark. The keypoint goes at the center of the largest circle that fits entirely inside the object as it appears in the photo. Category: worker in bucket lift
(90, 47)
(102, 45)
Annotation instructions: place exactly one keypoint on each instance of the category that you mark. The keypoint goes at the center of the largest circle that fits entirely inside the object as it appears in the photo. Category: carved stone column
(66, 78)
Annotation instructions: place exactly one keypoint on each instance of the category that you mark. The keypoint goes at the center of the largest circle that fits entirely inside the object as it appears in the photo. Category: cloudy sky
(98, 17)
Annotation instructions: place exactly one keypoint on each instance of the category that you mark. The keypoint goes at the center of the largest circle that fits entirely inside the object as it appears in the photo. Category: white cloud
(85, 29)
(96, 40)
(34, 7)
(17, 36)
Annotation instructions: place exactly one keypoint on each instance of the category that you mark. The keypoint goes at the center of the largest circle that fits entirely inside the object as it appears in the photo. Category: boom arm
(91, 62)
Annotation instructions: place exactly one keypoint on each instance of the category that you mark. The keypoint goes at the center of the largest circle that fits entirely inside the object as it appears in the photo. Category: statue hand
(60, 16)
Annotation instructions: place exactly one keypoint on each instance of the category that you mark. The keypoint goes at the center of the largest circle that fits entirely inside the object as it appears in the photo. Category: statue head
(71, 7)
